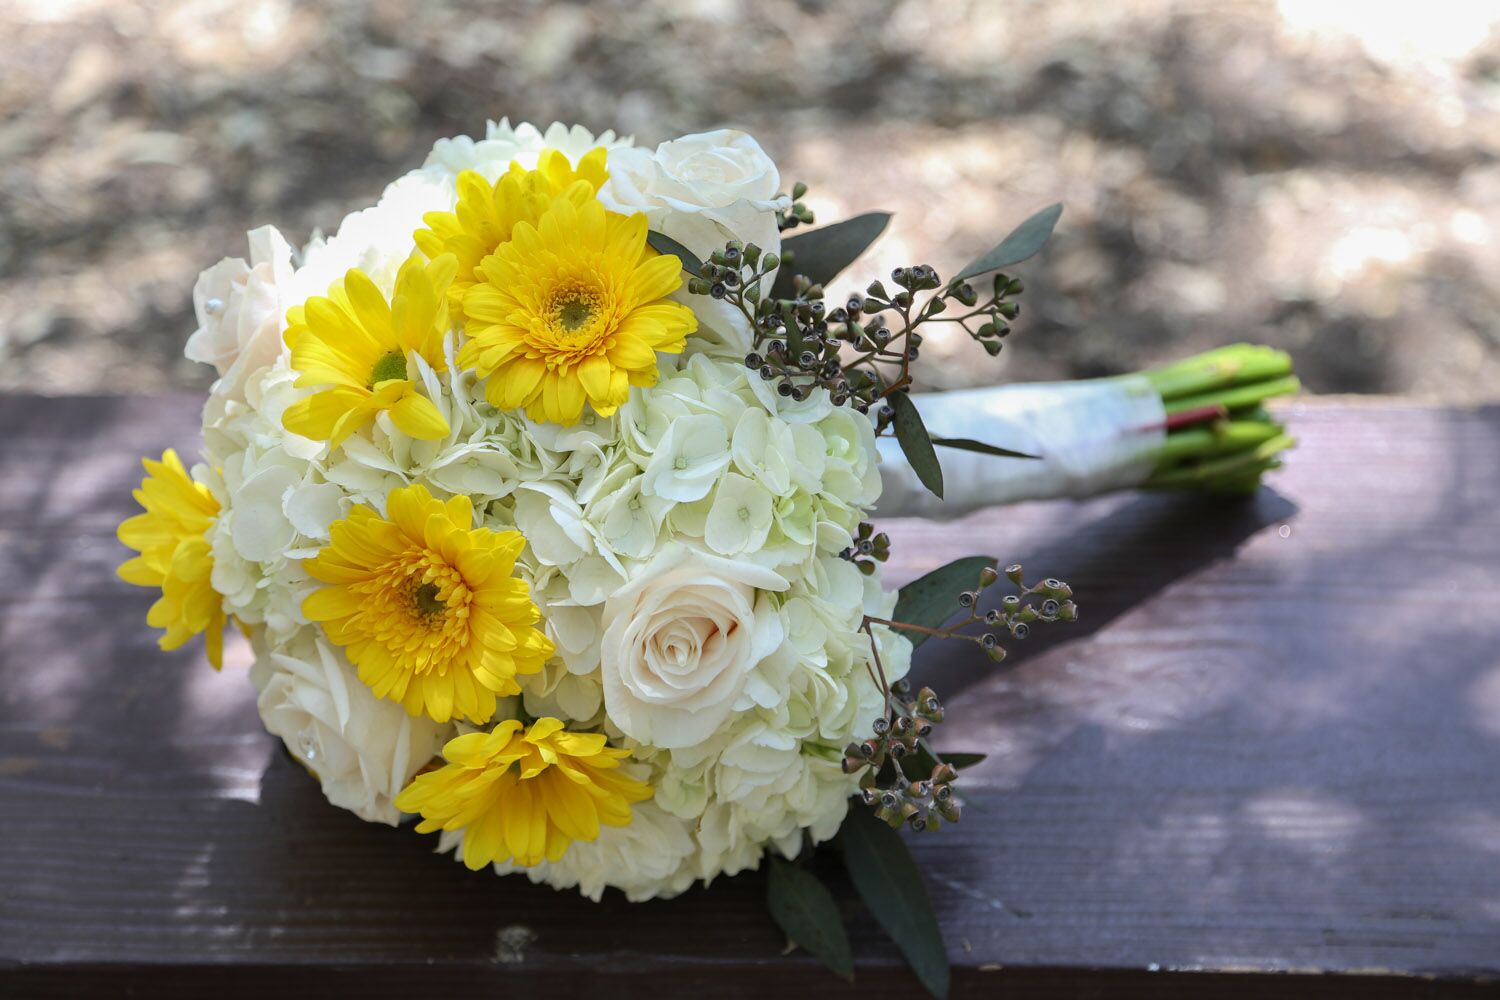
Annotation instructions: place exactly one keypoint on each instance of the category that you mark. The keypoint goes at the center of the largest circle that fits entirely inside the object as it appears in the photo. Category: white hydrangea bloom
(503, 145)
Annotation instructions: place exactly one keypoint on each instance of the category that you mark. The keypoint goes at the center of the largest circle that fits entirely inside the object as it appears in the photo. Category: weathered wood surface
(1272, 745)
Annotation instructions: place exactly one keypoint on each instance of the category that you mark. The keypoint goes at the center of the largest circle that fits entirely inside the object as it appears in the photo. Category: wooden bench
(1266, 762)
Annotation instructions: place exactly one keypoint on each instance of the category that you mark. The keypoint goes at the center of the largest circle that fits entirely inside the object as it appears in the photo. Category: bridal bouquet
(541, 491)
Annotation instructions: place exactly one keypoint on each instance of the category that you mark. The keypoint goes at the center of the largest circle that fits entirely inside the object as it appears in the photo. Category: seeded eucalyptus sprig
(870, 547)
(799, 214)
(904, 780)
(861, 351)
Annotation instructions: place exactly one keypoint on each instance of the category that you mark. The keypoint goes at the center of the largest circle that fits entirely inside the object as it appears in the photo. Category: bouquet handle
(1089, 437)
(1198, 424)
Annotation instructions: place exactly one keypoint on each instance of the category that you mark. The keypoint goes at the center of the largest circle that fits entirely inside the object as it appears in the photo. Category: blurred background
(1320, 175)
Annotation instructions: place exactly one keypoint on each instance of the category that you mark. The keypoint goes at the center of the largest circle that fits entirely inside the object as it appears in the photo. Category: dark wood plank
(1271, 746)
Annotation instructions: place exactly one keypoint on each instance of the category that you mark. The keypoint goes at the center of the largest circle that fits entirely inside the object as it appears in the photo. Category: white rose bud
(680, 640)
(240, 312)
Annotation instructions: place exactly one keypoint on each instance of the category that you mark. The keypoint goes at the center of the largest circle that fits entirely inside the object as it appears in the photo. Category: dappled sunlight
(1305, 820)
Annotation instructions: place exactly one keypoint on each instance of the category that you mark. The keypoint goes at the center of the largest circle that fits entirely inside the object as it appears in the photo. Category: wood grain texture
(1267, 760)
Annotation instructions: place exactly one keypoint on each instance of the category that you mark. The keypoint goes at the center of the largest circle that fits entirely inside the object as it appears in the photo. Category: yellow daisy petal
(357, 347)
(419, 417)
(524, 796)
(175, 555)
(414, 600)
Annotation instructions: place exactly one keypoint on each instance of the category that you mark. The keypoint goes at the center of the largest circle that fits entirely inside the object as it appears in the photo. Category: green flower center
(426, 600)
(573, 314)
(392, 365)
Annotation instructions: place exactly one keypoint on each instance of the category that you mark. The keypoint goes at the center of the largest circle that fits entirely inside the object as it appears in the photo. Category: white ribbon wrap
(1092, 436)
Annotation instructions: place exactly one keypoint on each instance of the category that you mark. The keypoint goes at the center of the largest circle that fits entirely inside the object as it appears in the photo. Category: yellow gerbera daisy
(487, 213)
(358, 344)
(524, 796)
(573, 310)
(175, 555)
(427, 606)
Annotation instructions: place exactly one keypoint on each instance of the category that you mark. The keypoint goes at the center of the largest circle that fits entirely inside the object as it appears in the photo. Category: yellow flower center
(391, 365)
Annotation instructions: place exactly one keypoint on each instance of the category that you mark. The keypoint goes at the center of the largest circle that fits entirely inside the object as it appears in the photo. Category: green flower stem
(1238, 364)
(1224, 438)
(1228, 453)
(1237, 396)
(1236, 466)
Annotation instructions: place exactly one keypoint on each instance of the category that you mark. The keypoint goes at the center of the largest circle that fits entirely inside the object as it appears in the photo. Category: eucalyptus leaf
(918, 766)
(969, 444)
(916, 445)
(805, 910)
(961, 760)
(891, 886)
(662, 243)
(821, 254)
(932, 599)
(1023, 242)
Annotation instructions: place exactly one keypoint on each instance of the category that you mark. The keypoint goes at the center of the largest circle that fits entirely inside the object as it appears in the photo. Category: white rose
(703, 190)
(240, 310)
(363, 749)
(680, 640)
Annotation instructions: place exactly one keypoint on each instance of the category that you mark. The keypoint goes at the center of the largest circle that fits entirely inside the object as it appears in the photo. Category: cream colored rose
(362, 748)
(240, 312)
(679, 641)
(703, 190)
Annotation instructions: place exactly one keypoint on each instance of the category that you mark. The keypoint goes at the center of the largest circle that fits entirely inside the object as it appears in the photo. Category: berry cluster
(904, 779)
(916, 788)
(799, 214)
(870, 547)
(861, 351)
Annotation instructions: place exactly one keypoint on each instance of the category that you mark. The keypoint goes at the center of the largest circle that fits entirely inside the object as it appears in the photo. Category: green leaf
(662, 243)
(916, 445)
(891, 886)
(963, 760)
(932, 599)
(804, 908)
(969, 444)
(821, 254)
(1023, 242)
(918, 766)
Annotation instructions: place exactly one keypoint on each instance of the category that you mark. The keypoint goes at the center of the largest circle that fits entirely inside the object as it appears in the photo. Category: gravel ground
(1315, 174)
